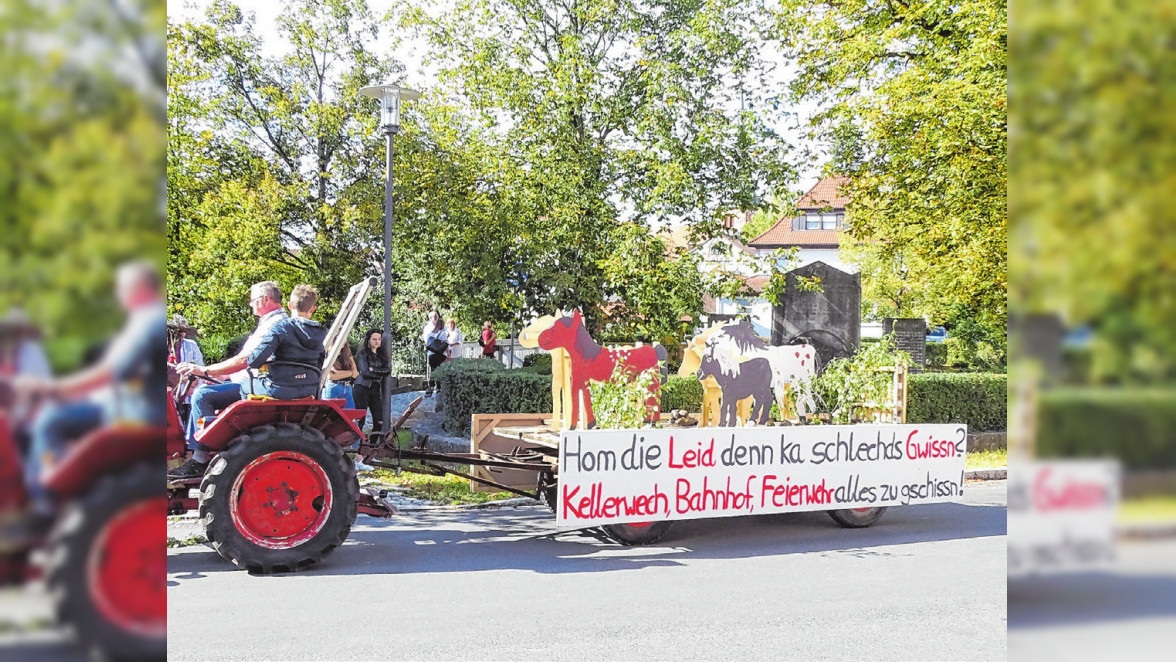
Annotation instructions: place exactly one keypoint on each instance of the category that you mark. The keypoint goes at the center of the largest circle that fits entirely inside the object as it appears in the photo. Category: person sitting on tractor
(293, 351)
(133, 364)
(265, 299)
(297, 348)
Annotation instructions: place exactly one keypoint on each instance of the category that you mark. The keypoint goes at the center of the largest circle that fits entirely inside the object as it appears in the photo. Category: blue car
(937, 334)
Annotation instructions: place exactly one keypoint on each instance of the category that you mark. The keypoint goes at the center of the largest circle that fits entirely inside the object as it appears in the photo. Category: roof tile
(782, 234)
(824, 194)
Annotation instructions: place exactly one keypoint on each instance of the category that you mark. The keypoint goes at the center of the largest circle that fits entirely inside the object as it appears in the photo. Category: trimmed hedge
(681, 393)
(462, 366)
(979, 400)
(540, 364)
(1135, 425)
(484, 386)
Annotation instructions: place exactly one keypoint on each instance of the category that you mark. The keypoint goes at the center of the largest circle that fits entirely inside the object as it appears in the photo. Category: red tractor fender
(329, 416)
(103, 452)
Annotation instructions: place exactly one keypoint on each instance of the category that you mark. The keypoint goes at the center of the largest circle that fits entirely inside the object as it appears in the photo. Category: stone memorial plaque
(910, 336)
(829, 319)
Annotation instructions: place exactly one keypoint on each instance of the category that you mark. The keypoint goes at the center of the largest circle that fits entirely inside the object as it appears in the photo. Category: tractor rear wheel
(856, 518)
(280, 498)
(644, 533)
(105, 570)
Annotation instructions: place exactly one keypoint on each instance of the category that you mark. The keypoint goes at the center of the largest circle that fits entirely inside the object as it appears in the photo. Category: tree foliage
(925, 81)
(652, 291)
(1092, 198)
(551, 125)
(271, 158)
(603, 113)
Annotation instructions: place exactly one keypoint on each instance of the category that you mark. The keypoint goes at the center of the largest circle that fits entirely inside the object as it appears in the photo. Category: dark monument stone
(830, 318)
(1038, 337)
(910, 335)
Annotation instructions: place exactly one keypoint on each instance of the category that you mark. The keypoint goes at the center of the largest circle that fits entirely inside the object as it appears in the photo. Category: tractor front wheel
(280, 498)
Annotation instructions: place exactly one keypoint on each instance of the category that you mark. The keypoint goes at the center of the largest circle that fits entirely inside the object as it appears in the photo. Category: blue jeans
(337, 391)
(206, 400)
(54, 428)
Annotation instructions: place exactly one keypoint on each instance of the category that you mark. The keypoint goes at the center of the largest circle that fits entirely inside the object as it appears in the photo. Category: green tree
(271, 159)
(886, 289)
(1091, 202)
(780, 203)
(603, 110)
(653, 291)
(846, 147)
(925, 81)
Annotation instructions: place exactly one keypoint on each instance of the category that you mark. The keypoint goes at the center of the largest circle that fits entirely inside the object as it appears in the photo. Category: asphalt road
(926, 583)
(1126, 612)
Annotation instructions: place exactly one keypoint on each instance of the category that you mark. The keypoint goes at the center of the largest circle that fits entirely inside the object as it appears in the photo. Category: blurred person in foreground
(131, 366)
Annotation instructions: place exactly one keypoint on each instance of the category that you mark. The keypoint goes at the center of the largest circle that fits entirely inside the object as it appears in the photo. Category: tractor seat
(268, 397)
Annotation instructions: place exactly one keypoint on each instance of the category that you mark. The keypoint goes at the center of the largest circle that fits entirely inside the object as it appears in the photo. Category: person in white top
(265, 299)
(436, 347)
(454, 338)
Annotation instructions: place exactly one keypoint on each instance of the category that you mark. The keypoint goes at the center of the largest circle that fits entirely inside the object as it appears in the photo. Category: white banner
(1061, 515)
(619, 476)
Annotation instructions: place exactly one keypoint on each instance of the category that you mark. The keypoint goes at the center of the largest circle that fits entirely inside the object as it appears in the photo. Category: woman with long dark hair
(372, 362)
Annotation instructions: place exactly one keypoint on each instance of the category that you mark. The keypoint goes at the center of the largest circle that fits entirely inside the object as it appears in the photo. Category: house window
(812, 222)
(829, 221)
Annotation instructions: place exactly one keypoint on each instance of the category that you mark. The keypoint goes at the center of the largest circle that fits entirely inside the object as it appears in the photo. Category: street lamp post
(390, 97)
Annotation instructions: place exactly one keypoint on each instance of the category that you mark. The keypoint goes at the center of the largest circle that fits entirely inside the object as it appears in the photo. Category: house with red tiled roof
(816, 230)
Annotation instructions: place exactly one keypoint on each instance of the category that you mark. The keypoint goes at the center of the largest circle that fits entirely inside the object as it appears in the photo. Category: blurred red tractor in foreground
(104, 559)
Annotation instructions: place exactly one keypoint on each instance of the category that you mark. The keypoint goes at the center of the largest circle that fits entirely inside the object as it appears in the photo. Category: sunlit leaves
(925, 84)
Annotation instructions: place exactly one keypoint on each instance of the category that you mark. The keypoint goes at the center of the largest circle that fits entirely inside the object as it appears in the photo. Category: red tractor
(102, 560)
(279, 493)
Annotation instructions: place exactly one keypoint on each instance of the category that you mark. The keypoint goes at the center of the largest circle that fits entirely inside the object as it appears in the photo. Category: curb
(1146, 531)
(514, 502)
(987, 474)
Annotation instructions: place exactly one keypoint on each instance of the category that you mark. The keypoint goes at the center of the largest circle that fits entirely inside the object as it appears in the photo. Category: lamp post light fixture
(390, 97)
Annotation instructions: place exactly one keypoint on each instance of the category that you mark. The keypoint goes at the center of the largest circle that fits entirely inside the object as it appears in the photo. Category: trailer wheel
(280, 498)
(105, 571)
(856, 518)
(643, 533)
